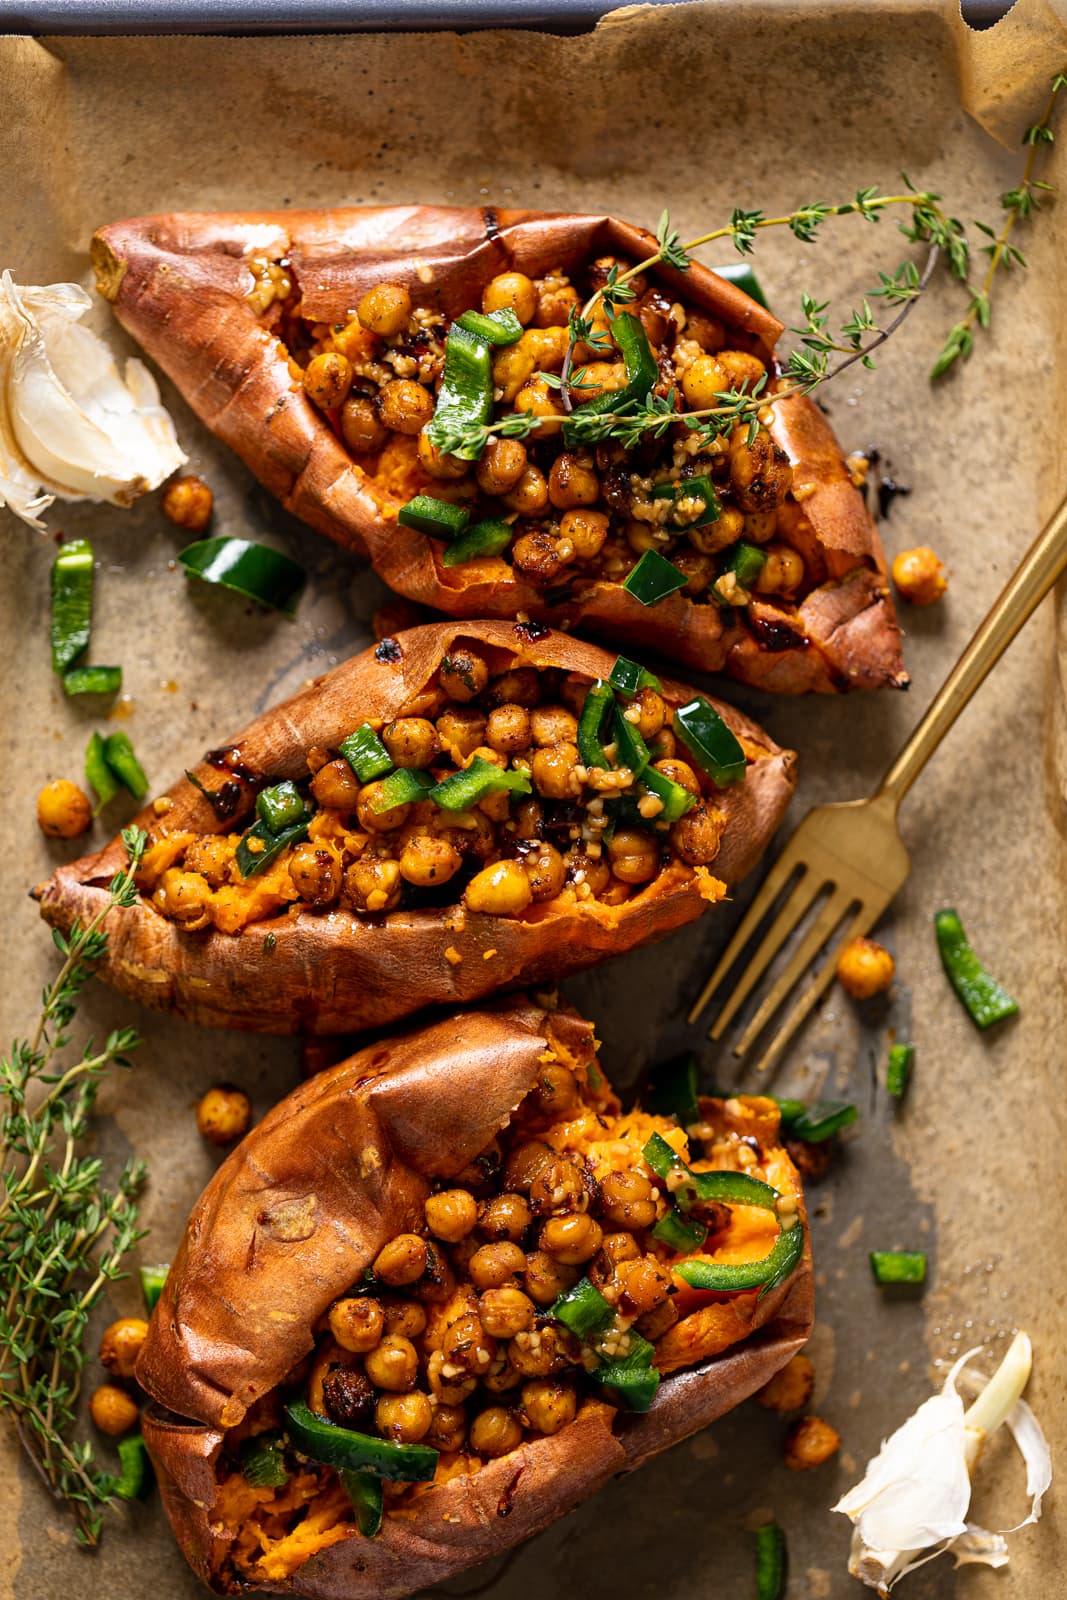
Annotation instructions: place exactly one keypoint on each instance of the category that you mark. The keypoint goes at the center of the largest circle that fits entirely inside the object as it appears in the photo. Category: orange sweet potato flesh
(337, 972)
(179, 283)
(290, 1221)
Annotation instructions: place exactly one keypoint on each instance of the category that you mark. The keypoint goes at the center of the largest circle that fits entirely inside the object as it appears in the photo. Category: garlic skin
(70, 424)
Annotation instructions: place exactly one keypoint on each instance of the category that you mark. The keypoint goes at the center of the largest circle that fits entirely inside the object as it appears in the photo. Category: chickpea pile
(504, 855)
(575, 512)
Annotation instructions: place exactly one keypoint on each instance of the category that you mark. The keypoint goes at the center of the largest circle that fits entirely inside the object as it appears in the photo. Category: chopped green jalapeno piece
(262, 1461)
(280, 806)
(694, 502)
(737, 1187)
(710, 741)
(745, 561)
(771, 1563)
(789, 1111)
(742, 277)
(682, 1233)
(765, 1274)
(72, 602)
(494, 327)
(437, 519)
(365, 1491)
(673, 1090)
(366, 754)
(93, 680)
(822, 1120)
(591, 724)
(99, 775)
(676, 800)
(118, 753)
(629, 678)
(134, 1468)
(462, 790)
(486, 538)
(898, 1266)
(324, 1441)
(466, 392)
(260, 845)
(898, 1069)
(583, 1309)
(152, 1281)
(641, 374)
(402, 788)
(631, 749)
(250, 569)
(985, 1001)
(654, 578)
(632, 1379)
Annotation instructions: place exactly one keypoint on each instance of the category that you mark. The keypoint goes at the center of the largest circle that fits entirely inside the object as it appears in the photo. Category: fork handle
(1044, 562)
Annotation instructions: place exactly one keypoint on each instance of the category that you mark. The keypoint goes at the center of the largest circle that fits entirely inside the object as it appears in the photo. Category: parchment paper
(702, 108)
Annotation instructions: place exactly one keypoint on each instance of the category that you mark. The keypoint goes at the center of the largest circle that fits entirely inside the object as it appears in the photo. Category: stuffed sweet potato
(446, 1290)
(462, 808)
(778, 573)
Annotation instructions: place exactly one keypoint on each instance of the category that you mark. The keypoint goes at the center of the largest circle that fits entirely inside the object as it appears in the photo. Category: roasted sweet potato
(462, 1145)
(254, 317)
(371, 916)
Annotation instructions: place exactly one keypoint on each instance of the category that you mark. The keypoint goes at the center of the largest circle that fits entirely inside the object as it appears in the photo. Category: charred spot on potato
(387, 650)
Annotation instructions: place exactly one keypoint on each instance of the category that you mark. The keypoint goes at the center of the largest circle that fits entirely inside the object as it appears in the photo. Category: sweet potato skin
(335, 972)
(178, 284)
(426, 1102)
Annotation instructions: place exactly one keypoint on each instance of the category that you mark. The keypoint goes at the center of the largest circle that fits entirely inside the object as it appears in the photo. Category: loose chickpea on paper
(791, 1388)
(919, 576)
(121, 1345)
(809, 1443)
(188, 503)
(865, 968)
(224, 1114)
(63, 810)
(113, 1410)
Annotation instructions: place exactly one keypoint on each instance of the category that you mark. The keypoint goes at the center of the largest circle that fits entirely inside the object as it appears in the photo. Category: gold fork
(852, 852)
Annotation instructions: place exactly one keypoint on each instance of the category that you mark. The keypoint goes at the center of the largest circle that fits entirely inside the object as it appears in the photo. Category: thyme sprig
(63, 1234)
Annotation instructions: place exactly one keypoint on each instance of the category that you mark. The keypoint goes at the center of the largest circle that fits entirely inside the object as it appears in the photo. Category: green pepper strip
(366, 754)
(629, 677)
(641, 374)
(99, 774)
(134, 1468)
(152, 1281)
(461, 790)
(582, 1309)
(700, 488)
(676, 800)
(743, 277)
(365, 1491)
(680, 1232)
(822, 1120)
(250, 862)
(633, 1380)
(280, 806)
(898, 1266)
(672, 1090)
(72, 602)
(591, 724)
(93, 680)
(324, 1441)
(631, 749)
(765, 1274)
(697, 1186)
(789, 1111)
(437, 519)
(898, 1069)
(494, 327)
(250, 569)
(486, 538)
(466, 392)
(262, 1462)
(118, 753)
(402, 788)
(745, 561)
(985, 1001)
(654, 578)
(709, 740)
(771, 1563)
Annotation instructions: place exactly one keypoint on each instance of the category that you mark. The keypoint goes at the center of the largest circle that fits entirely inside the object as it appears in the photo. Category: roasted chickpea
(541, 1351)
(791, 1388)
(573, 480)
(809, 1443)
(356, 1323)
(406, 1418)
(548, 346)
(616, 1248)
(552, 771)
(211, 856)
(183, 897)
(372, 885)
(411, 741)
(703, 382)
(645, 1284)
(679, 772)
(782, 572)
(760, 474)
(560, 1184)
(541, 554)
(616, 893)
(348, 1397)
(428, 860)
(505, 1312)
(401, 1261)
(439, 464)
(634, 855)
(494, 1265)
(494, 1432)
(572, 1238)
(585, 869)
(642, 536)
(919, 576)
(525, 1161)
(373, 820)
(663, 745)
(449, 1390)
(468, 1346)
(448, 1428)
(528, 495)
(463, 674)
(520, 686)
(549, 1404)
(316, 873)
(553, 725)
(556, 1089)
(556, 297)
(499, 890)
(385, 309)
(461, 729)
(865, 968)
(647, 712)
(600, 271)
(586, 531)
(224, 1114)
(121, 1345)
(602, 377)
(508, 729)
(474, 840)
(451, 1214)
(393, 1364)
(404, 1316)
(742, 369)
(511, 291)
(113, 1411)
(627, 1200)
(63, 810)
(512, 367)
(696, 836)
(505, 1216)
(405, 406)
(327, 380)
(759, 526)
(188, 503)
(546, 1277)
(711, 537)
(502, 464)
(361, 426)
(544, 867)
(336, 786)
(699, 571)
